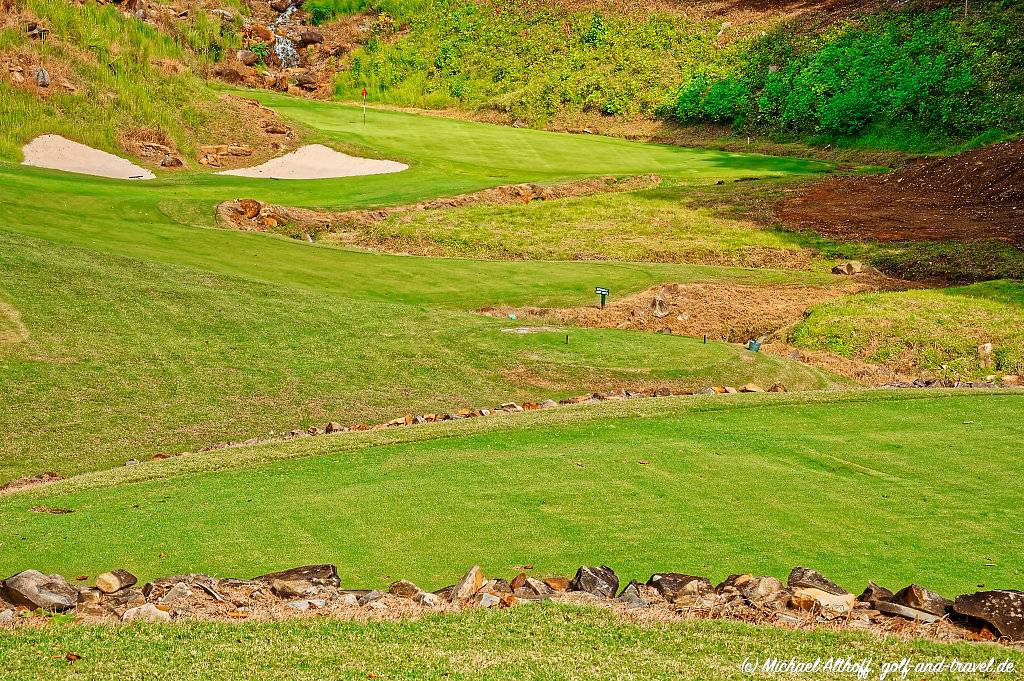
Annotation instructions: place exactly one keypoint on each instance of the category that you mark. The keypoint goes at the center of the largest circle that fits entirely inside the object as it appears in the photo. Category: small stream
(283, 47)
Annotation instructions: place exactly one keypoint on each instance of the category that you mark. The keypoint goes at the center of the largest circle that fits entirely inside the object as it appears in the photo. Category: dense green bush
(909, 79)
(908, 75)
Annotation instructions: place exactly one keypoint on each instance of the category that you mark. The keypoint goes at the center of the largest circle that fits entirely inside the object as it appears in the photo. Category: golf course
(506, 385)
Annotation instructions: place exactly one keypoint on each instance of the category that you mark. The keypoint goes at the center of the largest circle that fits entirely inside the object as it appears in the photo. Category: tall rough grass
(113, 63)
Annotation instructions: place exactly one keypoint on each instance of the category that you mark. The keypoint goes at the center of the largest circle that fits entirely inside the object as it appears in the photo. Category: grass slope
(528, 642)
(733, 484)
(937, 330)
(144, 330)
(125, 76)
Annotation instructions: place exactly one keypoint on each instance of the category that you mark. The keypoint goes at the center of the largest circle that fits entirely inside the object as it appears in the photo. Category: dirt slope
(978, 195)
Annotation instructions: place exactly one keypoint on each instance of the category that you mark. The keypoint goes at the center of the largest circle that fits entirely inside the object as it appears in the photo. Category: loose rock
(673, 585)
(145, 613)
(469, 585)
(919, 598)
(115, 580)
(822, 602)
(33, 589)
(801, 577)
(600, 581)
(1002, 608)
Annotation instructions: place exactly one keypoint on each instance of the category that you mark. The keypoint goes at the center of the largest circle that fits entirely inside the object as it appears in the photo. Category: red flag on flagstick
(364, 106)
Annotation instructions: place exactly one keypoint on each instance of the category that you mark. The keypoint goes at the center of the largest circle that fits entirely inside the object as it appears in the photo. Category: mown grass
(731, 484)
(936, 329)
(528, 642)
(150, 331)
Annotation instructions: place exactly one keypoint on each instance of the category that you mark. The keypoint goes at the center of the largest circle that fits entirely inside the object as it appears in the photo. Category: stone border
(806, 600)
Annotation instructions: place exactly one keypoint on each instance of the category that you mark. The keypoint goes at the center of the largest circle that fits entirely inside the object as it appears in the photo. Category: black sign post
(603, 292)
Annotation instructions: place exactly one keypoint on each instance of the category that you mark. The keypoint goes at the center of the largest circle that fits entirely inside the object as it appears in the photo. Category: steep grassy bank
(937, 330)
(916, 78)
(114, 76)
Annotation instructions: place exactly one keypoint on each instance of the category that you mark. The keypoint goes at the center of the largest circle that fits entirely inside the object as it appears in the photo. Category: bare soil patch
(725, 312)
(977, 195)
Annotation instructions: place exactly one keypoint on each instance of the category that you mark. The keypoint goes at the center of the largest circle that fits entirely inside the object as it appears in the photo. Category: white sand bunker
(58, 153)
(315, 162)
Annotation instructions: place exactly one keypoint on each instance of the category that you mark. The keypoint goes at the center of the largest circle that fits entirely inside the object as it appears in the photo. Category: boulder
(275, 129)
(287, 588)
(1001, 608)
(801, 577)
(42, 77)
(427, 599)
(310, 36)
(33, 589)
(280, 5)
(334, 427)
(498, 586)
(659, 308)
(250, 207)
(371, 597)
(600, 581)
(178, 592)
(518, 582)
(469, 585)
(672, 585)
(733, 582)
(919, 598)
(536, 587)
(223, 14)
(631, 596)
(873, 594)
(822, 602)
(557, 583)
(404, 588)
(758, 589)
(318, 575)
(489, 600)
(751, 388)
(146, 613)
(848, 268)
(262, 32)
(247, 57)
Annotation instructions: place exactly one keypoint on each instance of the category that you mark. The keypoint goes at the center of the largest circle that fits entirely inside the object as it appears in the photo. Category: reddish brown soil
(978, 195)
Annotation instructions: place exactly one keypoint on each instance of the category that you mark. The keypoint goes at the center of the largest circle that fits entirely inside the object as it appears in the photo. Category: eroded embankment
(733, 313)
(345, 227)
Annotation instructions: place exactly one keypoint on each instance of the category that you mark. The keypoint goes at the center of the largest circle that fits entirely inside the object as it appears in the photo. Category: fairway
(144, 328)
(731, 484)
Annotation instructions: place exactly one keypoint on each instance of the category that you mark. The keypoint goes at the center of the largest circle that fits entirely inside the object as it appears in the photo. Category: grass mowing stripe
(725, 490)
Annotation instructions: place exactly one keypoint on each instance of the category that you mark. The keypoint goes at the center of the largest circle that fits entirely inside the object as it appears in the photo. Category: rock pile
(806, 599)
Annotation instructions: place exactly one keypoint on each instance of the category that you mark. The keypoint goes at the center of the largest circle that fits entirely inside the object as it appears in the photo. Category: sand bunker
(314, 162)
(58, 153)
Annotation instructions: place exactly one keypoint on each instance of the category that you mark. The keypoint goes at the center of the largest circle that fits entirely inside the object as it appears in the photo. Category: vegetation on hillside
(113, 75)
(906, 79)
(900, 79)
(938, 330)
